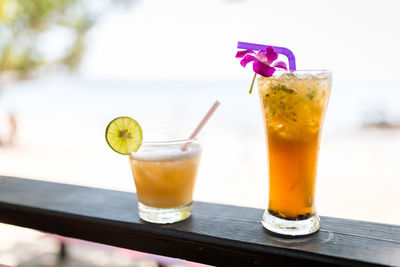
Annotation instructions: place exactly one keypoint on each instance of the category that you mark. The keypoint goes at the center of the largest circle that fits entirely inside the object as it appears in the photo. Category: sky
(190, 39)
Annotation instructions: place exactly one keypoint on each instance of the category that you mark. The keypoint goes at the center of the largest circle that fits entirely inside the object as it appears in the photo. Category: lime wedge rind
(124, 135)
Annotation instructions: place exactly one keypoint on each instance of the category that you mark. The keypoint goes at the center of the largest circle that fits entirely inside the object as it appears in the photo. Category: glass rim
(304, 71)
(171, 141)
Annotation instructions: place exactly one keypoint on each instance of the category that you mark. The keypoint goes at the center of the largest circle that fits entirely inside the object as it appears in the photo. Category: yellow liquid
(293, 111)
(165, 183)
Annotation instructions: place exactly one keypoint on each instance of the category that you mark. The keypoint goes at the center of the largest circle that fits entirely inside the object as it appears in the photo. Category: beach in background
(61, 124)
(165, 63)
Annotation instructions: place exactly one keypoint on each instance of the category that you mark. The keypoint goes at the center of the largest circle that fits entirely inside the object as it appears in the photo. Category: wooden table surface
(216, 234)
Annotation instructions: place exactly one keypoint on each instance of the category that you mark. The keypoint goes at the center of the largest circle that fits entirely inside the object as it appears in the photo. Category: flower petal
(263, 69)
(242, 53)
(271, 54)
(262, 56)
(247, 59)
(280, 64)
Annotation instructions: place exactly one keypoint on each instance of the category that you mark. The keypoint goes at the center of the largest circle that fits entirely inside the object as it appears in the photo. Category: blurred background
(68, 67)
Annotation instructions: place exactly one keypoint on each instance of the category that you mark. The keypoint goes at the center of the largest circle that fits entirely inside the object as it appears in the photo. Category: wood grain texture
(216, 234)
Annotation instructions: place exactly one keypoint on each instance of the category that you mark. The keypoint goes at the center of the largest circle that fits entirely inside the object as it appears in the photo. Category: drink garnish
(123, 135)
(311, 95)
(264, 60)
(283, 88)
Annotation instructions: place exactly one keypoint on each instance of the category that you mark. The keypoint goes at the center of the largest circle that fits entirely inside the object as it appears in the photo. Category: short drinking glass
(164, 170)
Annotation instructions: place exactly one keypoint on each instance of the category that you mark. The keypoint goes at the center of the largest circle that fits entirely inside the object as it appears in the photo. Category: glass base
(290, 227)
(163, 216)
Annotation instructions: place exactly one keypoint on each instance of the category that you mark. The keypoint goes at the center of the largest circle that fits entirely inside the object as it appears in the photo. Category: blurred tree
(23, 23)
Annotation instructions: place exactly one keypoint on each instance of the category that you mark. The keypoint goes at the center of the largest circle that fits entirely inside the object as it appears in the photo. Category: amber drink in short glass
(293, 108)
(164, 170)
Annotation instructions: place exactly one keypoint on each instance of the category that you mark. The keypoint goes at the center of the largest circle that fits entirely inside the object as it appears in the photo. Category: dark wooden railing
(216, 234)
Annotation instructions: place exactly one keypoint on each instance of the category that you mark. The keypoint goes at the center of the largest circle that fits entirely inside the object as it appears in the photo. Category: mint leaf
(311, 95)
(283, 88)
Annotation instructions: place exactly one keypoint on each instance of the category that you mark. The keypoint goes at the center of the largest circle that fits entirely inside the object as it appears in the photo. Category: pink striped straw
(201, 124)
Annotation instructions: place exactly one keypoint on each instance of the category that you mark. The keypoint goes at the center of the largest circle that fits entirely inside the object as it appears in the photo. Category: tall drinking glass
(293, 107)
(164, 170)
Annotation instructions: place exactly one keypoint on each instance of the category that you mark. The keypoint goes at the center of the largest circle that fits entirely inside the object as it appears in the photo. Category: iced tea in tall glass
(293, 108)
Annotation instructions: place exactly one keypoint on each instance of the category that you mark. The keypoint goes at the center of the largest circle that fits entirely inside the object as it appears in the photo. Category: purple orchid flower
(263, 62)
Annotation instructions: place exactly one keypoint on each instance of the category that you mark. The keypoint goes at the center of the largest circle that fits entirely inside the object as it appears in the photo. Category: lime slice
(123, 135)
